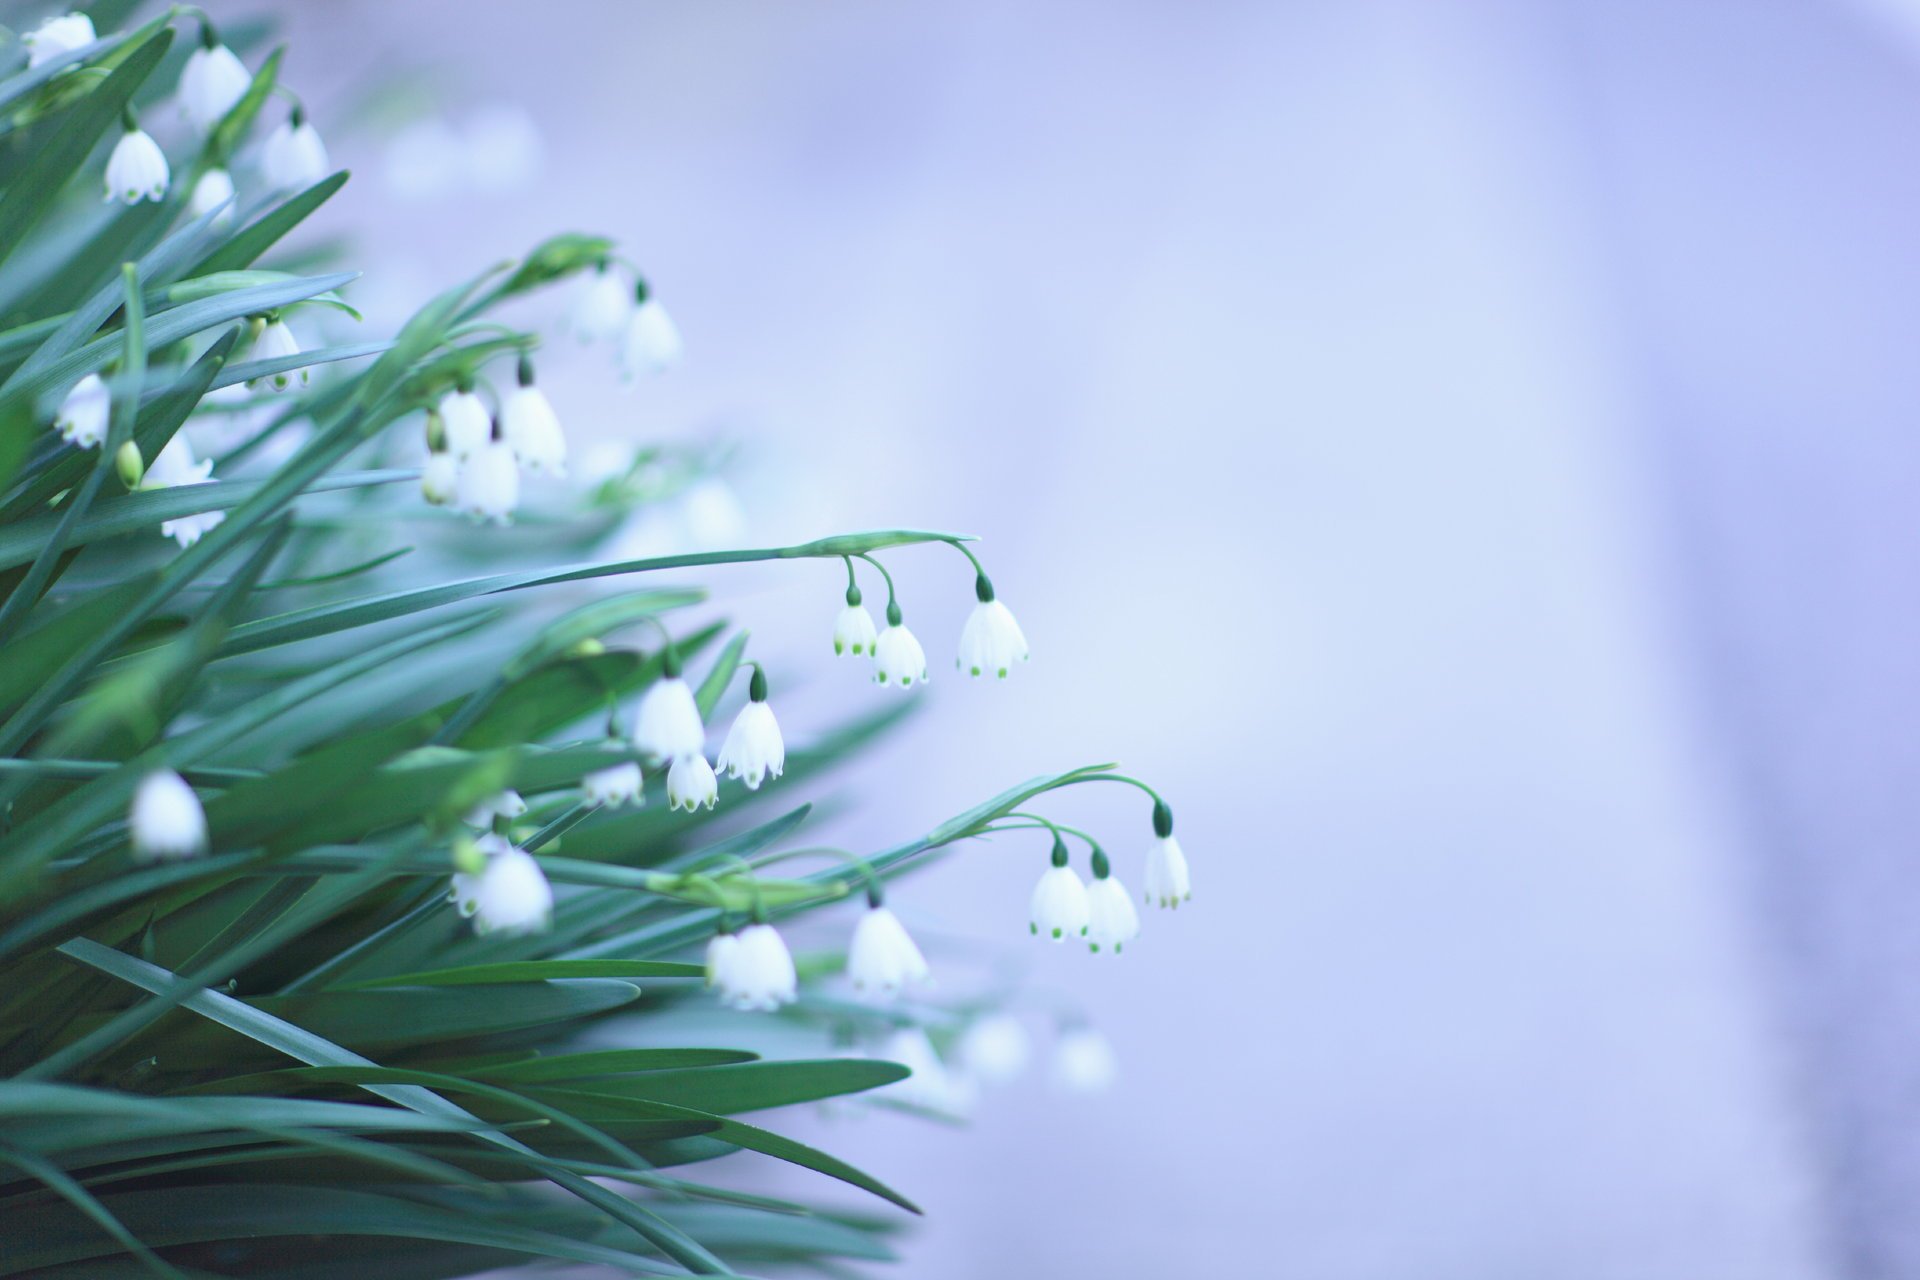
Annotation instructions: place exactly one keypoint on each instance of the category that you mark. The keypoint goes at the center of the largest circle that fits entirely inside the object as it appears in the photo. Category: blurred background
(1463, 452)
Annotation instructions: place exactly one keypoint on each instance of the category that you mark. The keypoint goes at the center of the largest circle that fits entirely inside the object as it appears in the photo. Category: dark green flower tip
(1162, 819)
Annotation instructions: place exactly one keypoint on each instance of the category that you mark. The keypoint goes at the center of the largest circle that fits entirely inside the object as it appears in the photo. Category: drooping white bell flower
(1112, 921)
(489, 487)
(754, 749)
(173, 467)
(511, 896)
(600, 308)
(83, 415)
(613, 786)
(931, 1085)
(137, 168)
(1167, 881)
(212, 82)
(275, 342)
(1059, 907)
(211, 190)
(1083, 1062)
(853, 631)
(995, 1048)
(465, 421)
(57, 37)
(503, 804)
(721, 949)
(166, 820)
(759, 975)
(668, 723)
(293, 156)
(991, 643)
(440, 479)
(690, 783)
(529, 426)
(651, 343)
(882, 959)
(898, 658)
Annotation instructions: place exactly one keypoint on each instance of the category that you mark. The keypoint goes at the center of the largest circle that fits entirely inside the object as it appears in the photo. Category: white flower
(1059, 907)
(651, 343)
(853, 631)
(57, 37)
(166, 820)
(754, 748)
(929, 1085)
(721, 950)
(173, 467)
(502, 804)
(882, 959)
(690, 784)
(511, 896)
(189, 529)
(991, 642)
(275, 342)
(212, 82)
(294, 156)
(82, 419)
(758, 975)
(995, 1048)
(613, 786)
(1112, 921)
(898, 657)
(489, 485)
(440, 479)
(465, 421)
(601, 306)
(213, 189)
(137, 169)
(528, 425)
(668, 724)
(1083, 1062)
(1167, 881)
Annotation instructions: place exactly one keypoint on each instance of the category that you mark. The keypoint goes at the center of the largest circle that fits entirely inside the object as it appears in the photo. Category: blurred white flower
(1167, 881)
(651, 343)
(721, 949)
(166, 820)
(898, 657)
(57, 37)
(489, 486)
(882, 959)
(613, 786)
(212, 82)
(440, 478)
(1112, 921)
(293, 155)
(503, 804)
(275, 342)
(213, 189)
(137, 168)
(1083, 1062)
(465, 422)
(690, 783)
(995, 1048)
(1059, 907)
(991, 642)
(931, 1085)
(853, 631)
(600, 306)
(668, 723)
(174, 467)
(82, 418)
(511, 896)
(754, 749)
(530, 427)
(758, 975)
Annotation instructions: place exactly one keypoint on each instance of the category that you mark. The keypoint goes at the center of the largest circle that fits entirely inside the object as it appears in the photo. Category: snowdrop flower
(489, 487)
(166, 820)
(82, 419)
(853, 630)
(929, 1086)
(668, 724)
(511, 896)
(613, 786)
(213, 189)
(995, 1048)
(465, 422)
(721, 950)
(600, 308)
(1167, 881)
(440, 479)
(897, 656)
(991, 642)
(212, 82)
(1059, 907)
(882, 959)
(690, 784)
(275, 342)
(759, 974)
(175, 466)
(1112, 921)
(651, 343)
(294, 156)
(1083, 1062)
(754, 748)
(528, 424)
(504, 804)
(189, 529)
(57, 37)
(137, 169)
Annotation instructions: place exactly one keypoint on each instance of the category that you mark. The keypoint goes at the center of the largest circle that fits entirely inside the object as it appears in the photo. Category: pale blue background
(1465, 451)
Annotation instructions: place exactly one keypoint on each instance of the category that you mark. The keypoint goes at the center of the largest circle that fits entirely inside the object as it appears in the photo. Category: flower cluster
(1101, 912)
(991, 642)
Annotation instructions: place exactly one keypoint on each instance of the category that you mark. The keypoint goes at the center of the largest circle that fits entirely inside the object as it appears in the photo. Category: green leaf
(607, 1062)
(532, 971)
(751, 1086)
(239, 252)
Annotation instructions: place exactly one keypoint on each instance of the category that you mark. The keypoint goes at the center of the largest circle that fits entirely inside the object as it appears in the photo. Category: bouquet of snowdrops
(359, 912)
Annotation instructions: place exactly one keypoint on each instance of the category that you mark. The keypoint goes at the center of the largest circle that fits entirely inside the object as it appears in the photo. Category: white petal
(465, 422)
(668, 724)
(853, 631)
(489, 486)
(166, 819)
(1059, 907)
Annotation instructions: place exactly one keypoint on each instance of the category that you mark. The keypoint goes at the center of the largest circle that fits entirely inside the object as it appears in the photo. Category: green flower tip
(853, 596)
(1101, 868)
(894, 616)
(670, 662)
(757, 687)
(983, 588)
(1059, 852)
(1162, 819)
(526, 370)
